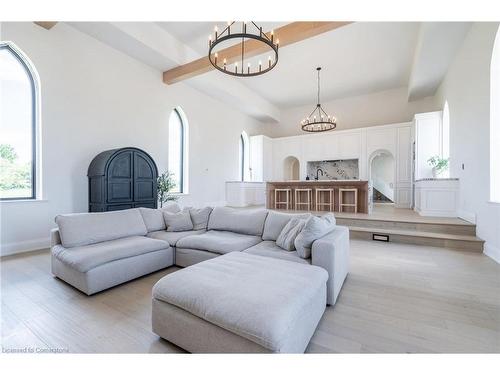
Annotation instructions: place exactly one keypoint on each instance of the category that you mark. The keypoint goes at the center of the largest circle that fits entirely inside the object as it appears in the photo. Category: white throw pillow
(286, 239)
(153, 219)
(199, 217)
(179, 221)
(171, 207)
(315, 228)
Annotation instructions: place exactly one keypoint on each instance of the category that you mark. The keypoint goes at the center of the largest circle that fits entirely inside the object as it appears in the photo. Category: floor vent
(380, 237)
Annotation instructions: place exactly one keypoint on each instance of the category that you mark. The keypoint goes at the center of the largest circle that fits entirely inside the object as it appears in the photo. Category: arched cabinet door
(144, 177)
(120, 177)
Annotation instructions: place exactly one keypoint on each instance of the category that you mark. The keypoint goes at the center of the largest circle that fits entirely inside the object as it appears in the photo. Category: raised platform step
(447, 240)
(465, 229)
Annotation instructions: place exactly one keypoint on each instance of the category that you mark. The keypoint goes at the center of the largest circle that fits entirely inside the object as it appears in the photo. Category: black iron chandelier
(234, 62)
(318, 120)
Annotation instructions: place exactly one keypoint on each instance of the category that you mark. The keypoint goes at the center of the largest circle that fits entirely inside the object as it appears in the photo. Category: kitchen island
(361, 186)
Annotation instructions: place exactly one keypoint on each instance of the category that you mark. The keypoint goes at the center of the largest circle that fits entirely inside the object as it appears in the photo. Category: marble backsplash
(334, 169)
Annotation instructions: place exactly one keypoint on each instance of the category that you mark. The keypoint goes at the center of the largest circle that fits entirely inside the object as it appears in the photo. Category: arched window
(495, 121)
(446, 136)
(244, 157)
(19, 106)
(177, 149)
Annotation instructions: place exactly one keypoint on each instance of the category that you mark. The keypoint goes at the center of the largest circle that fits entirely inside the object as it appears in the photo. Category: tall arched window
(177, 149)
(446, 136)
(19, 100)
(495, 121)
(244, 157)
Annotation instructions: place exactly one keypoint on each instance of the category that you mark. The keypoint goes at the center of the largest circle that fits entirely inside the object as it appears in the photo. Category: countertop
(314, 181)
(437, 179)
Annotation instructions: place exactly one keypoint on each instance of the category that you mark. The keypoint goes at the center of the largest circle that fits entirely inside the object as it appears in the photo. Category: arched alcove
(291, 168)
(382, 174)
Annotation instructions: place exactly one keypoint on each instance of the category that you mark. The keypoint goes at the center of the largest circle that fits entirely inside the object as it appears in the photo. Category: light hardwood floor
(397, 298)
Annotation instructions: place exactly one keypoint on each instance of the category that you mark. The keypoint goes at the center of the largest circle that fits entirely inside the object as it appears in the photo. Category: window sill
(23, 201)
(494, 203)
(180, 194)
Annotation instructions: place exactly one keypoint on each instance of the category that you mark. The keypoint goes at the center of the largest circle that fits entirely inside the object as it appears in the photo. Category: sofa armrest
(55, 237)
(331, 252)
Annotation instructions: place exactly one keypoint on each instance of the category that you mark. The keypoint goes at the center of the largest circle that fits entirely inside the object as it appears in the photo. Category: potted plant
(438, 164)
(166, 183)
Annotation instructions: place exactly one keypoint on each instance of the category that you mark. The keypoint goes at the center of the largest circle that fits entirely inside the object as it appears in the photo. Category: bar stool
(287, 202)
(328, 204)
(299, 202)
(341, 196)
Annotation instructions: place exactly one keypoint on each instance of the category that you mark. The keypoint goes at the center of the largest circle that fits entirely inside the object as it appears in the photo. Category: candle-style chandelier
(318, 120)
(232, 60)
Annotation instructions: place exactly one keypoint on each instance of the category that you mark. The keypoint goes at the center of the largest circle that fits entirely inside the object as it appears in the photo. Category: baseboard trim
(467, 216)
(492, 251)
(24, 246)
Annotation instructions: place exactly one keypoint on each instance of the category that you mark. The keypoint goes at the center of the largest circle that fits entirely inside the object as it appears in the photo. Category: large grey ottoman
(241, 303)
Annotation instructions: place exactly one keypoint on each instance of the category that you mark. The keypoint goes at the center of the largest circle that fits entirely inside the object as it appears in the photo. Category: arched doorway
(382, 176)
(291, 168)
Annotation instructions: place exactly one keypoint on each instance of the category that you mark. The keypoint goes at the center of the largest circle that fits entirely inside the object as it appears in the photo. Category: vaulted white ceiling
(357, 59)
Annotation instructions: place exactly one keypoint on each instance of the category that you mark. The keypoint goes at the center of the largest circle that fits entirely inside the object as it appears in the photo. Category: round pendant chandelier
(232, 61)
(318, 121)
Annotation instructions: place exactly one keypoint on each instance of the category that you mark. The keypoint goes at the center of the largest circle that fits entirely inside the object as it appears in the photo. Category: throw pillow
(171, 207)
(199, 217)
(286, 239)
(178, 222)
(153, 219)
(314, 228)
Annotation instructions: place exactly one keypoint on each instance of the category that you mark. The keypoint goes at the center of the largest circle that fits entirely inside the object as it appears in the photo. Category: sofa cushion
(263, 300)
(84, 258)
(315, 228)
(276, 221)
(179, 221)
(244, 221)
(199, 217)
(272, 250)
(219, 242)
(286, 239)
(89, 228)
(173, 237)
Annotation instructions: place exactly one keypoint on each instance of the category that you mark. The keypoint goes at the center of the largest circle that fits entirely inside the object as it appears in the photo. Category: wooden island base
(348, 197)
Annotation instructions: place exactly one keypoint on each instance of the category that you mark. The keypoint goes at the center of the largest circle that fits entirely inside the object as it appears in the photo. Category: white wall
(384, 107)
(466, 87)
(95, 98)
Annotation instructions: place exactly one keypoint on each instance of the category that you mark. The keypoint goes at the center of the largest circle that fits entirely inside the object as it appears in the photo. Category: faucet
(317, 172)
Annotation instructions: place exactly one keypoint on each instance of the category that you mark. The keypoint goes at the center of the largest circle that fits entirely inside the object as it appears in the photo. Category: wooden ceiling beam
(46, 24)
(291, 33)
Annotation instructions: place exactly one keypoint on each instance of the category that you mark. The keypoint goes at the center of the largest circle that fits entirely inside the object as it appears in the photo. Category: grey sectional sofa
(99, 250)
(96, 251)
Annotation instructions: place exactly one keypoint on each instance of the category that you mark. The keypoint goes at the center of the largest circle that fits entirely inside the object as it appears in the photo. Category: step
(465, 229)
(447, 240)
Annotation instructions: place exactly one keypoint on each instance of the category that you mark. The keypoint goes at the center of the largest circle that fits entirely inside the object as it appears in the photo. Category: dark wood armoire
(122, 178)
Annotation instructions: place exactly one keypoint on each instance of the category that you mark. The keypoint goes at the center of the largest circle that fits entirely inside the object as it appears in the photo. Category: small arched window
(244, 157)
(19, 106)
(177, 149)
(495, 121)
